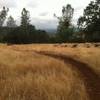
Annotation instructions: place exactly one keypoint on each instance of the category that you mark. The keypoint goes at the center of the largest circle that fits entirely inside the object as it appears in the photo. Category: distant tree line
(87, 29)
(25, 33)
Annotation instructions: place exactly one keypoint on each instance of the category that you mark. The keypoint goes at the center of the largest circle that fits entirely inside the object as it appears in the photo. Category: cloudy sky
(42, 11)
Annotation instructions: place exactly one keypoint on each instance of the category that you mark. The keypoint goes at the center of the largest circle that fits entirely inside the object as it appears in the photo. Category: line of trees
(25, 33)
(87, 30)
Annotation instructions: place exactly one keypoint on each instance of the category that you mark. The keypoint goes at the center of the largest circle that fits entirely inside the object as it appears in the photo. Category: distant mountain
(51, 30)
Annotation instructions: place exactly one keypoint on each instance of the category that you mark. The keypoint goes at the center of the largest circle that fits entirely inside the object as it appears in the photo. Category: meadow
(33, 72)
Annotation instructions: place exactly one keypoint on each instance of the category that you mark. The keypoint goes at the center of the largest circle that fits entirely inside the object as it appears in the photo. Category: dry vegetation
(25, 75)
(88, 53)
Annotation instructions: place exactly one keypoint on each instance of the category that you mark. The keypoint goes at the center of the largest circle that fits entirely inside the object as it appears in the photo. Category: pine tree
(65, 28)
(25, 18)
(65, 20)
(3, 15)
(11, 22)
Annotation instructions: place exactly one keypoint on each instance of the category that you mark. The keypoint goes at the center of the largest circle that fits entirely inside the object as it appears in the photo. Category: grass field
(28, 74)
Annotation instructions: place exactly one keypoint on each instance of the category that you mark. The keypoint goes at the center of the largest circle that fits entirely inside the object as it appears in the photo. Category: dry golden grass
(25, 75)
(87, 53)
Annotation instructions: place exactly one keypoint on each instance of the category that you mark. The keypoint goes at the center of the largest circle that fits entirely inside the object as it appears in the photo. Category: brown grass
(25, 75)
(87, 52)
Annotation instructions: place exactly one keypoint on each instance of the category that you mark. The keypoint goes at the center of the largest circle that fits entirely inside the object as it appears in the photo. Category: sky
(42, 11)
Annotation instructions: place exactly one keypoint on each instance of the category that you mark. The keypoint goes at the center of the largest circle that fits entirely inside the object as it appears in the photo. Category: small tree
(11, 22)
(3, 15)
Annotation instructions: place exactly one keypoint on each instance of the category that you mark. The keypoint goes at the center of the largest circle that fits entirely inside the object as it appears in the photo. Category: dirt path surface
(88, 75)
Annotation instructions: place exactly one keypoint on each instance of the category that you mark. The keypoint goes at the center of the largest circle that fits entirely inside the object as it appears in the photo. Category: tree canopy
(90, 21)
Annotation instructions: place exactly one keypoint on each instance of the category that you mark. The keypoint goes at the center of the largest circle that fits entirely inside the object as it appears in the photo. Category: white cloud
(32, 3)
(44, 24)
(8, 3)
(44, 14)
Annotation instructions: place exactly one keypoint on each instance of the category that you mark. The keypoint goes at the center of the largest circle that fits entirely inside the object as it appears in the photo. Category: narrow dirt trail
(88, 75)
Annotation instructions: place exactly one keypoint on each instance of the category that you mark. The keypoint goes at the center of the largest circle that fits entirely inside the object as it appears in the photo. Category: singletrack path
(88, 75)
